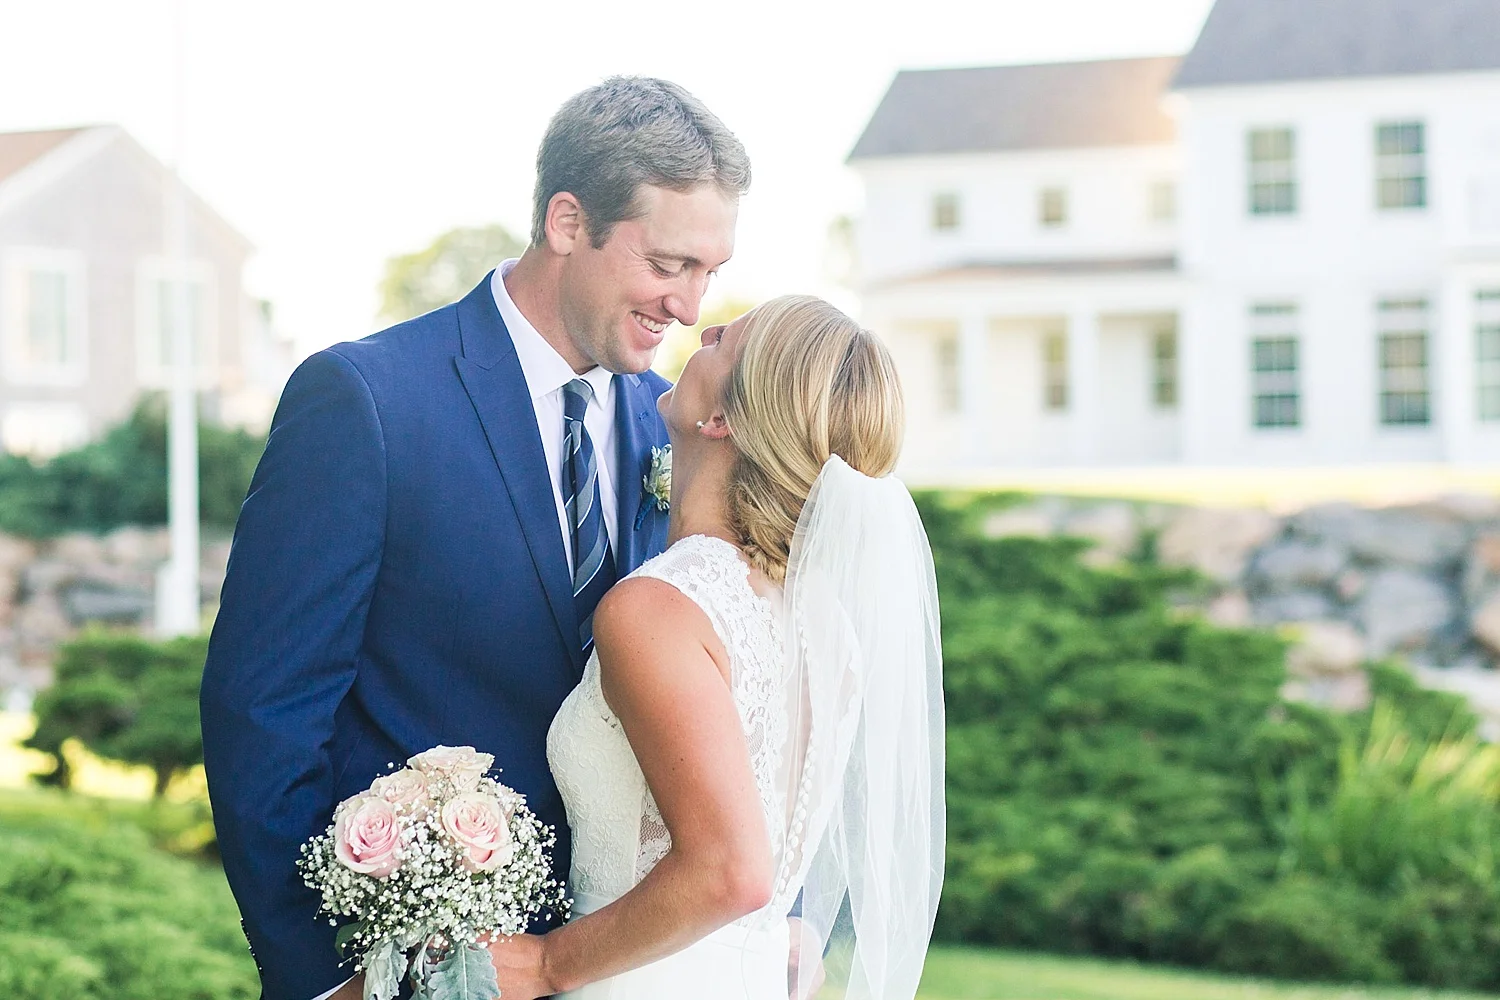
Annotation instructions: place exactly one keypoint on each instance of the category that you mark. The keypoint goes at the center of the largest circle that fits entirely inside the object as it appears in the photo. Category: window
(945, 215)
(159, 305)
(950, 399)
(1161, 201)
(1400, 166)
(1273, 171)
(1164, 368)
(1404, 395)
(44, 338)
(42, 430)
(1276, 395)
(1052, 207)
(1487, 352)
(1055, 371)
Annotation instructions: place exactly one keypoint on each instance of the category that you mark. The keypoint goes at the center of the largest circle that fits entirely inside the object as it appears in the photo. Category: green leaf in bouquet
(384, 966)
(346, 934)
(466, 974)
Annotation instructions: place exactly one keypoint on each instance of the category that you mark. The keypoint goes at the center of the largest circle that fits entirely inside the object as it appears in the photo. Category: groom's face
(618, 300)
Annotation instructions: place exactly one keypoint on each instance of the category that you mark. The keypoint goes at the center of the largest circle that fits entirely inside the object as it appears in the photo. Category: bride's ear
(715, 428)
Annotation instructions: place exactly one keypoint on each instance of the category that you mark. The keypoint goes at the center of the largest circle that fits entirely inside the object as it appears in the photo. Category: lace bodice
(618, 833)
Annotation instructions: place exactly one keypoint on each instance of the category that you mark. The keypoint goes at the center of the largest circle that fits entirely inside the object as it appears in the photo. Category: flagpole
(178, 607)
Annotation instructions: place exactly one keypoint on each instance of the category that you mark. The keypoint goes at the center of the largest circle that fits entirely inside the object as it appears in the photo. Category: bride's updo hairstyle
(809, 383)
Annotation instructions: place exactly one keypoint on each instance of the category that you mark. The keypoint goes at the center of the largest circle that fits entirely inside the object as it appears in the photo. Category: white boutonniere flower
(658, 480)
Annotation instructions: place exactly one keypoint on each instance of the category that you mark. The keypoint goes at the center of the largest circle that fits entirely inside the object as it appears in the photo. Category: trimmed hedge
(1124, 779)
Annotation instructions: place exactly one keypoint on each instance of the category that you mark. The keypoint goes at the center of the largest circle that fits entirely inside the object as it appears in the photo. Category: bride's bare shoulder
(644, 624)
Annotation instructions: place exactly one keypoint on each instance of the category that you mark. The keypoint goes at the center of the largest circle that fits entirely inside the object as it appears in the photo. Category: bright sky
(336, 134)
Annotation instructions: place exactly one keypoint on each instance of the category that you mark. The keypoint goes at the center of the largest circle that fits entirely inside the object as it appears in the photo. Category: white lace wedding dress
(618, 833)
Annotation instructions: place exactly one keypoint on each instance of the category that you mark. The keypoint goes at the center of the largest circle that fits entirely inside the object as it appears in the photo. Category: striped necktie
(593, 564)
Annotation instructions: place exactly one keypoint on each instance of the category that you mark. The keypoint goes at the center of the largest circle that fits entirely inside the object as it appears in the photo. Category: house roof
(1114, 102)
(19, 149)
(1264, 41)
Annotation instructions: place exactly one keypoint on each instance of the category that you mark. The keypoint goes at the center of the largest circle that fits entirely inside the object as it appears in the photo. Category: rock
(1482, 567)
(45, 576)
(1402, 609)
(1216, 541)
(89, 602)
(138, 547)
(1470, 507)
(1350, 585)
(15, 554)
(1110, 526)
(79, 549)
(1341, 693)
(1484, 624)
(1286, 565)
(1402, 536)
(1029, 522)
(1293, 606)
(1325, 647)
(1231, 609)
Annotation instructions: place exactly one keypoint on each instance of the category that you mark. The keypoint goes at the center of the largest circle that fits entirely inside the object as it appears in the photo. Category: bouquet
(432, 862)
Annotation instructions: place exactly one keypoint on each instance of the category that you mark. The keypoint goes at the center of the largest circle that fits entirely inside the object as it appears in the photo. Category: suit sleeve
(282, 658)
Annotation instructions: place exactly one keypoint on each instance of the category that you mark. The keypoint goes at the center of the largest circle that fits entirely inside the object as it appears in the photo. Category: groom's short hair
(607, 141)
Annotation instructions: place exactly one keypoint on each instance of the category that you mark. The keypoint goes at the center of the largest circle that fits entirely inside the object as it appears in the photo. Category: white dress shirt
(546, 373)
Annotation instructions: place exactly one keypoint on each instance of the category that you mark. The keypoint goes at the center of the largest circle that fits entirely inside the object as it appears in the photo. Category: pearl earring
(701, 423)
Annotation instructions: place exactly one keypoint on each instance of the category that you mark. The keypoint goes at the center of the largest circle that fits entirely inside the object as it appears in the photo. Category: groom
(441, 505)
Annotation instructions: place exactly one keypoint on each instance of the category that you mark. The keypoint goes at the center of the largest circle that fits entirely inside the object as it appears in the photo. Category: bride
(752, 764)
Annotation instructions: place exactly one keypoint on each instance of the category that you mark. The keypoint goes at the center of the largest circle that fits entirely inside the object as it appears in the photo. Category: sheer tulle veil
(862, 766)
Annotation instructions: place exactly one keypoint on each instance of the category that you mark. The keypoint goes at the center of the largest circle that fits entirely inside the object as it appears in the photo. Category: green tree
(445, 271)
(127, 698)
(122, 478)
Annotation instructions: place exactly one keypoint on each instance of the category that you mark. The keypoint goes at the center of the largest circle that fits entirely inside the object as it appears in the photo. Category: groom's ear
(564, 224)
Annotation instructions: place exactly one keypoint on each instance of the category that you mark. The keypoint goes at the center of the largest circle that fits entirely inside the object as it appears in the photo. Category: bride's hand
(804, 971)
(518, 966)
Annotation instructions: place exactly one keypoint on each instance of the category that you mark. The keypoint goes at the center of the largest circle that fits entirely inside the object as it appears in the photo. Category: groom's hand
(354, 989)
(803, 979)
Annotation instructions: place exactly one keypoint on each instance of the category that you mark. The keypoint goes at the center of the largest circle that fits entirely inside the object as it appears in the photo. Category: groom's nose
(683, 301)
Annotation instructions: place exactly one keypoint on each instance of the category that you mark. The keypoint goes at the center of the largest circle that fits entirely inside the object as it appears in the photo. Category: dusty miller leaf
(384, 966)
(466, 974)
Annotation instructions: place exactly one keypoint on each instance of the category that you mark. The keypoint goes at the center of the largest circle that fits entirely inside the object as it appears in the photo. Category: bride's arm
(665, 674)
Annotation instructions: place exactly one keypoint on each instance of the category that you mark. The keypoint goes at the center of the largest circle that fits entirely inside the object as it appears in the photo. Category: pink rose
(366, 836)
(403, 787)
(477, 824)
(462, 766)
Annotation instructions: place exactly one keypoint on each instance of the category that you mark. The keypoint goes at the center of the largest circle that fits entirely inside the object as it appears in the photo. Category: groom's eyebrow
(687, 259)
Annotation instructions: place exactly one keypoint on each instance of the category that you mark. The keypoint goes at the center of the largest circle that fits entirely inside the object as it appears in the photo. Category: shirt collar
(545, 370)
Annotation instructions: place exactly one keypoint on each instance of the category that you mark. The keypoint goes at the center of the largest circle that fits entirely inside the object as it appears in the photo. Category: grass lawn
(978, 974)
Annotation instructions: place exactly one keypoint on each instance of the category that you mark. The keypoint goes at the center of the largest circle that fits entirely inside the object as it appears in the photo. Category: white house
(84, 283)
(1282, 249)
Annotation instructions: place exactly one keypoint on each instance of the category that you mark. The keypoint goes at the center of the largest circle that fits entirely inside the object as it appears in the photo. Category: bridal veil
(862, 767)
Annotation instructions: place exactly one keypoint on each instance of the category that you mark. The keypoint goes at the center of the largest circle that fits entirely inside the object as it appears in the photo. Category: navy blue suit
(398, 580)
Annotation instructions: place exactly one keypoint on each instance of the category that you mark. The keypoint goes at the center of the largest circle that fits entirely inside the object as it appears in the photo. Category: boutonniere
(658, 483)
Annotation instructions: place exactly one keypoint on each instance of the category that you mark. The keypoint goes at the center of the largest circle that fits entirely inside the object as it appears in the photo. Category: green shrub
(93, 911)
(127, 698)
(1124, 779)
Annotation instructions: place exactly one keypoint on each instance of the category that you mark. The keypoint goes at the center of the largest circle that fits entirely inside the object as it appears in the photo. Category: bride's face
(699, 392)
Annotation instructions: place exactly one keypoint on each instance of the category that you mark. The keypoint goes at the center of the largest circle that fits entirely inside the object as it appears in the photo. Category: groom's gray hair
(607, 141)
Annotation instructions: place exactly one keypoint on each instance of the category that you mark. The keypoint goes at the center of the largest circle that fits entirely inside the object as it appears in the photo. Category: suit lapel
(635, 415)
(491, 374)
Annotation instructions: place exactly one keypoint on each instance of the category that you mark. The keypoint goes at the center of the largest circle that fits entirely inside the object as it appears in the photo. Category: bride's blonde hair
(809, 383)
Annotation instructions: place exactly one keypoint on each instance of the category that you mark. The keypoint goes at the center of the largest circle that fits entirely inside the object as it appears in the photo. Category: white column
(975, 386)
(1083, 384)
